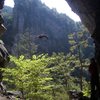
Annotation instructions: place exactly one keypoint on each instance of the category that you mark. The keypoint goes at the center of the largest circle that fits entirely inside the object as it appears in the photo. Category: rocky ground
(3, 98)
(9, 96)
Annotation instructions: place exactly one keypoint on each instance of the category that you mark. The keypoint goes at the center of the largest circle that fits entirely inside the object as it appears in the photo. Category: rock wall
(38, 19)
(86, 12)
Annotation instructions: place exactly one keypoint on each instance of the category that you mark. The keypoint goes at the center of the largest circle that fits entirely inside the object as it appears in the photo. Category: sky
(60, 5)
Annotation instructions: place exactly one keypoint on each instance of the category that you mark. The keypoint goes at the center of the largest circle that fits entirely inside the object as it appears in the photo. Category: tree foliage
(24, 45)
(44, 77)
(79, 42)
(31, 77)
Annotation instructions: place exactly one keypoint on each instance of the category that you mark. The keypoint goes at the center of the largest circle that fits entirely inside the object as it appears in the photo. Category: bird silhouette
(41, 36)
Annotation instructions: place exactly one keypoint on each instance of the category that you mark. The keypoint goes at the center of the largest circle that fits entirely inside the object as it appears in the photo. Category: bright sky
(9, 3)
(60, 5)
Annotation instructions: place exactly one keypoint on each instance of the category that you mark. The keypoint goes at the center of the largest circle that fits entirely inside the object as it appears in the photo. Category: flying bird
(41, 36)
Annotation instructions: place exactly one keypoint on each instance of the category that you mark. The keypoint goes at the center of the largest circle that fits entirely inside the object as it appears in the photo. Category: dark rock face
(34, 16)
(85, 9)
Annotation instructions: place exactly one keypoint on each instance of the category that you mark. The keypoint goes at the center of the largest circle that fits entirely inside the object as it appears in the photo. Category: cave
(88, 10)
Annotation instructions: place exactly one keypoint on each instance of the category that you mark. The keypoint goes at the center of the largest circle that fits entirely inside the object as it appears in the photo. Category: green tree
(62, 66)
(24, 45)
(31, 77)
(79, 42)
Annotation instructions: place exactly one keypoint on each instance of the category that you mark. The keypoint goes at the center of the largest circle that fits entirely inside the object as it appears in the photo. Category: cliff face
(38, 19)
(33, 14)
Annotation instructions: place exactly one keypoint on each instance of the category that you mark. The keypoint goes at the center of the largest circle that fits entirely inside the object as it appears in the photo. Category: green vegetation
(43, 77)
(24, 45)
(47, 76)
(79, 42)
(50, 77)
(31, 77)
